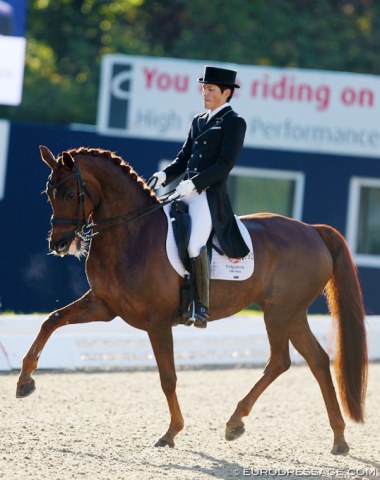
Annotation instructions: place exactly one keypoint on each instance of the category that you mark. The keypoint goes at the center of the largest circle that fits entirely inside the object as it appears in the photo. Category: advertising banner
(12, 51)
(285, 108)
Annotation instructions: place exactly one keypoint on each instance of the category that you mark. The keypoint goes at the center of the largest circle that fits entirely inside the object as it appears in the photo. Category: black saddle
(181, 221)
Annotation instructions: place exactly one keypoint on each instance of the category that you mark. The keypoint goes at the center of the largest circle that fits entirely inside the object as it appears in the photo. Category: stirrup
(201, 322)
(197, 314)
(202, 315)
(187, 319)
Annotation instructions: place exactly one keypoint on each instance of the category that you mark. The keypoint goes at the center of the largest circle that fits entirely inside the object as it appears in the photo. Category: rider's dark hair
(224, 87)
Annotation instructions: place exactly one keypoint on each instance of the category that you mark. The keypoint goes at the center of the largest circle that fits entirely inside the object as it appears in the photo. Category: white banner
(291, 109)
(12, 57)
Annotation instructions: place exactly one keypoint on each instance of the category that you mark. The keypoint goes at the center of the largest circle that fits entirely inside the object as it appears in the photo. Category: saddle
(221, 268)
(181, 222)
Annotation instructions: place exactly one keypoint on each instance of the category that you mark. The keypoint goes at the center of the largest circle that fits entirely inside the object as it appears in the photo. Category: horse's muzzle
(61, 245)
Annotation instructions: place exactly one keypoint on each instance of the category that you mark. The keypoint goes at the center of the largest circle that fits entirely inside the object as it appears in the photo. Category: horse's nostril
(59, 247)
(62, 246)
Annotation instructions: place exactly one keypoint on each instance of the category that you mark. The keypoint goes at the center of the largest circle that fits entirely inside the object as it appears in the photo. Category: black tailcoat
(207, 157)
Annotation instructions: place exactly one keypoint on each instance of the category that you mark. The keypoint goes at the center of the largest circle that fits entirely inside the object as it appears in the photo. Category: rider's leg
(200, 267)
(201, 226)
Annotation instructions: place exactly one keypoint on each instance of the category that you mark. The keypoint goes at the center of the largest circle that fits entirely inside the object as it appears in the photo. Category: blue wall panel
(33, 281)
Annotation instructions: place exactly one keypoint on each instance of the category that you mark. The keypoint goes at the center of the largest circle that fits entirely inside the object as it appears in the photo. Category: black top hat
(219, 76)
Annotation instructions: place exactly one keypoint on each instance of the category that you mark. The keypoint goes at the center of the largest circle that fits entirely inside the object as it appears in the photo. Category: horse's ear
(48, 157)
(67, 160)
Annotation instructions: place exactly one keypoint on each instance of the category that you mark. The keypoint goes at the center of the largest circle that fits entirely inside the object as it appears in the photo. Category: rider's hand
(157, 180)
(184, 188)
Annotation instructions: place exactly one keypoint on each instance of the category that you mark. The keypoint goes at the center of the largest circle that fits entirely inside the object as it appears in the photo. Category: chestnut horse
(130, 276)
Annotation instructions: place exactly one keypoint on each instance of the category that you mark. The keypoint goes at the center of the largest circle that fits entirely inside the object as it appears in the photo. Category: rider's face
(213, 97)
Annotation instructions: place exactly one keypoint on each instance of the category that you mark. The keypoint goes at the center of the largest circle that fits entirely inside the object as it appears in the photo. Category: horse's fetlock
(243, 408)
(180, 425)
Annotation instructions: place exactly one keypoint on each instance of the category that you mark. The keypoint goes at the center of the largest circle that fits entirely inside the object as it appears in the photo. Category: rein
(121, 219)
(85, 230)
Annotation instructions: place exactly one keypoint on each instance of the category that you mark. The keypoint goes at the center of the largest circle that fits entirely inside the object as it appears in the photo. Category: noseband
(84, 229)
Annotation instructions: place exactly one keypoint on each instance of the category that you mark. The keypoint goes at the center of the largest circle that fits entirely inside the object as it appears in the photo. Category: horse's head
(65, 190)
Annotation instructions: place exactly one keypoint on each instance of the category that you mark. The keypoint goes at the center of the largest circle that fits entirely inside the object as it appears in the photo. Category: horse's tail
(345, 302)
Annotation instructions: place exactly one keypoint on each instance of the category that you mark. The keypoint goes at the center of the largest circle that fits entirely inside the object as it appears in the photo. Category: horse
(129, 275)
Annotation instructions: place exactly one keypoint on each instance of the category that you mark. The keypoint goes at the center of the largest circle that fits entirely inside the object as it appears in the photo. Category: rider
(213, 145)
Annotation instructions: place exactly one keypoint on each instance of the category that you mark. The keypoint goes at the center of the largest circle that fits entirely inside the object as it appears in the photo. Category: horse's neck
(123, 260)
(119, 193)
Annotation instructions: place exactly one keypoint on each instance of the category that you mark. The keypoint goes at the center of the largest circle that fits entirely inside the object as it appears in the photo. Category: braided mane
(125, 167)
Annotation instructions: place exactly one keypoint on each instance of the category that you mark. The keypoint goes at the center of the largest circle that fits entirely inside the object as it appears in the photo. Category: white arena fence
(237, 340)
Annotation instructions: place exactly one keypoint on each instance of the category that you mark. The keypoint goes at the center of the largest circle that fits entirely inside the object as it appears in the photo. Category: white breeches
(201, 223)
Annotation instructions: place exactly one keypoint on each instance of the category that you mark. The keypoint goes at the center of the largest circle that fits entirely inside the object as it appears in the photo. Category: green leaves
(67, 39)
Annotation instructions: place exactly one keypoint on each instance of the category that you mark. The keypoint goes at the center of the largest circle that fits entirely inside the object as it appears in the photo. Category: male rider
(212, 147)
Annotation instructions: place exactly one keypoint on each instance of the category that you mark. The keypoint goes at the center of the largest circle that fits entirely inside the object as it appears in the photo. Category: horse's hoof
(164, 443)
(340, 449)
(234, 433)
(25, 389)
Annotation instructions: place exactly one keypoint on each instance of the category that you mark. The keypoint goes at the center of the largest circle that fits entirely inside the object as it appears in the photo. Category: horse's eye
(70, 195)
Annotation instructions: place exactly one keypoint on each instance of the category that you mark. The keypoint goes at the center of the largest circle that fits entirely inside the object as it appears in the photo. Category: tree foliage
(66, 40)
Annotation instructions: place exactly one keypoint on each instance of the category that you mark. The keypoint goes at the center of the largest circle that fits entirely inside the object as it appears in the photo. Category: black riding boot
(198, 313)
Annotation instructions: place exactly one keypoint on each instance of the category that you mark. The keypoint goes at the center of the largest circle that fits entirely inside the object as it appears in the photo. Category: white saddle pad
(222, 267)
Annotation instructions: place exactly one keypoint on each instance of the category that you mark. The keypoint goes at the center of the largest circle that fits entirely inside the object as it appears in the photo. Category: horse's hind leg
(89, 308)
(278, 363)
(307, 345)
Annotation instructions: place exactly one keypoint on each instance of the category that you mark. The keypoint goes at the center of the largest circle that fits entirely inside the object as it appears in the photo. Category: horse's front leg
(162, 342)
(88, 308)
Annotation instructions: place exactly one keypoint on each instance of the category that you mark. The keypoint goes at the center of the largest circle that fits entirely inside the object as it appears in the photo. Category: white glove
(157, 179)
(184, 188)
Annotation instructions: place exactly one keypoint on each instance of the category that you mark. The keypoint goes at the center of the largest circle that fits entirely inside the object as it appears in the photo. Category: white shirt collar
(211, 113)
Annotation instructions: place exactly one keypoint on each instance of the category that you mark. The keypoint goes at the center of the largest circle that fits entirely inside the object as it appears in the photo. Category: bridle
(84, 229)
(80, 221)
